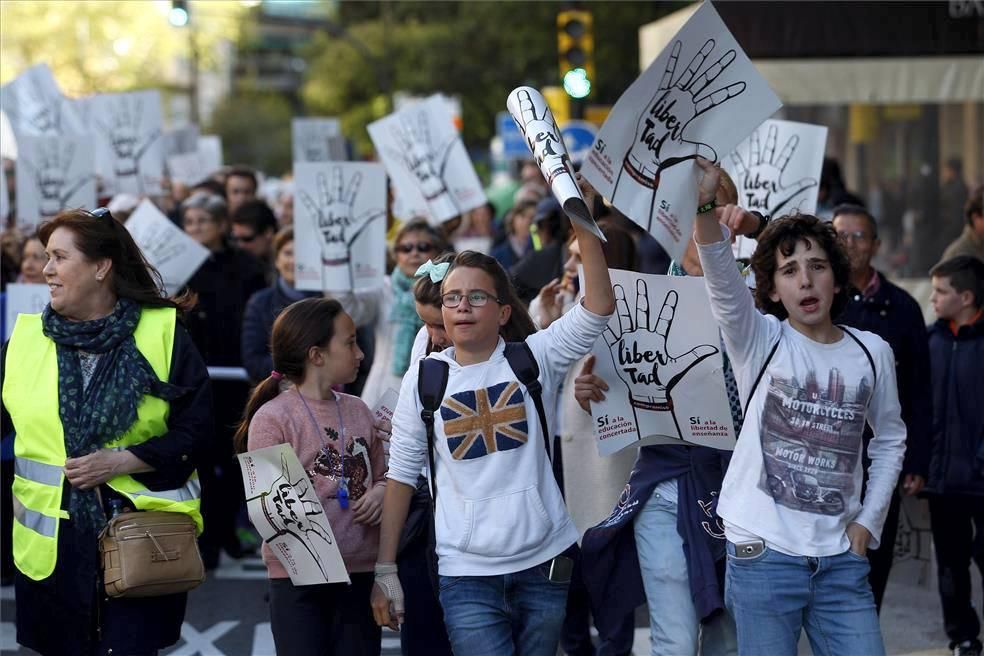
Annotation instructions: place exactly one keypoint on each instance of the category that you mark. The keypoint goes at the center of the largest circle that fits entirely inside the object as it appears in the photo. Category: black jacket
(892, 314)
(261, 311)
(957, 463)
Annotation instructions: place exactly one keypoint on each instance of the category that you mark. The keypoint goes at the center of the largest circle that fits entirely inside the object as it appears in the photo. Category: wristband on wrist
(385, 568)
(707, 207)
(763, 223)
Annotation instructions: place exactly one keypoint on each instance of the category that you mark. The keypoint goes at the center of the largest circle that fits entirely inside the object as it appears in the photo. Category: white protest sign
(166, 246)
(424, 155)
(53, 174)
(36, 106)
(180, 140)
(386, 405)
(700, 97)
(780, 178)
(285, 509)
(318, 140)
(210, 147)
(189, 168)
(24, 299)
(533, 118)
(129, 148)
(339, 226)
(661, 357)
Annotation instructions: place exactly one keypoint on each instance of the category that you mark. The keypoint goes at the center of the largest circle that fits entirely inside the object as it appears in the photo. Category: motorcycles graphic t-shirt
(796, 475)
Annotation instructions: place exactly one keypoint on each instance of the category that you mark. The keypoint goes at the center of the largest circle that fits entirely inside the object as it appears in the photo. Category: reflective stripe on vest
(30, 394)
(35, 521)
(39, 472)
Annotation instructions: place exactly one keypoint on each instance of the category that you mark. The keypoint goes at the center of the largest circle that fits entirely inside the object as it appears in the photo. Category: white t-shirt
(499, 509)
(796, 475)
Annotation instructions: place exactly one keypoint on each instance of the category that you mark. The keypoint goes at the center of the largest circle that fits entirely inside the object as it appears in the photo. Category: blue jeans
(773, 596)
(519, 614)
(674, 628)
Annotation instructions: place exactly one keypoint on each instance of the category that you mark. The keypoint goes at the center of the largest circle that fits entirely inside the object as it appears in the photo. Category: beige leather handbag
(149, 554)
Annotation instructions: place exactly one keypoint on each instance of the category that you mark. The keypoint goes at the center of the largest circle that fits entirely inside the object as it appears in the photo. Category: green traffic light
(576, 83)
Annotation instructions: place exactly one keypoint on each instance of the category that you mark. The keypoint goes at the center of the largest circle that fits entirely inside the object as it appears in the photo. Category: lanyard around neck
(317, 429)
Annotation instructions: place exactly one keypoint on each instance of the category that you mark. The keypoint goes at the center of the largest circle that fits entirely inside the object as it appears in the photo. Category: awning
(846, 80)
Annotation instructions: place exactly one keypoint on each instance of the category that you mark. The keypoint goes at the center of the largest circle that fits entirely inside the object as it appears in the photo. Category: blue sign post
(578, 136)
(513, 144)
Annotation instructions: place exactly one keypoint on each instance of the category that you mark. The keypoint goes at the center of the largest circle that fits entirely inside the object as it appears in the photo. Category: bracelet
(707, 207)
(763, 223)
(385, 568)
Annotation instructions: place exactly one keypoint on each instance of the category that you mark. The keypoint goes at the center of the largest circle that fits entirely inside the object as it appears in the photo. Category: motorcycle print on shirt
(811, 441)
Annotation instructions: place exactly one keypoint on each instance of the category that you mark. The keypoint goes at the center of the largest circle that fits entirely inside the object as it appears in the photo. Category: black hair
(257, 215)
(781, 236)
(858, 210)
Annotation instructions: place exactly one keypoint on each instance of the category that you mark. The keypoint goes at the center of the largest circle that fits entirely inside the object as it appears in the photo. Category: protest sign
(777, 182)
(339, 226)
(700, 97)
(35, 106)
(53, 174)
(427, 161)
(23, 299)
(284, 508)
(129, 148)
(210, 147)
(318, 140)
(189, 168)
(166, 246)
(180, 140)
(666, 384)
(4, 198)
(386, 405)
(533, 118)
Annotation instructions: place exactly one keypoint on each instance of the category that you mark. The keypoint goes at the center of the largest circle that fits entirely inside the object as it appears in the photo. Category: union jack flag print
(484, 421)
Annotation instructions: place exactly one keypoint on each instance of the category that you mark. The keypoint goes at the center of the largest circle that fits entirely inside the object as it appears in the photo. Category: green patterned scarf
(405, 321)
(96, 415)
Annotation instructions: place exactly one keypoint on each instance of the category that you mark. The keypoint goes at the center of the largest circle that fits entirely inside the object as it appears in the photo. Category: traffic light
(178, 16)
(575, 47)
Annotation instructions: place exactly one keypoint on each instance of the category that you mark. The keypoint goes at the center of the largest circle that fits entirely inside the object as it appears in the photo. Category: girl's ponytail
(265, 391)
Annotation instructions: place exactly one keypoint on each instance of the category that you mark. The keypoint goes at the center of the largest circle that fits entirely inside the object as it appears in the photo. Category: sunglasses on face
(421, 247)
(476, 298)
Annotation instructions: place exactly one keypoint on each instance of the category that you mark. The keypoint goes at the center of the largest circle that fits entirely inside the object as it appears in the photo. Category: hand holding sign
(760, 178)
(649, 373)
(660, 141)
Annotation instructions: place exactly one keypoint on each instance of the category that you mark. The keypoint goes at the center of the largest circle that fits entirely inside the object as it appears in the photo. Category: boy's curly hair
(781, 236)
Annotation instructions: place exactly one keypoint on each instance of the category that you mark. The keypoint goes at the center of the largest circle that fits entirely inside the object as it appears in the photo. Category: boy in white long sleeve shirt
(791, 499)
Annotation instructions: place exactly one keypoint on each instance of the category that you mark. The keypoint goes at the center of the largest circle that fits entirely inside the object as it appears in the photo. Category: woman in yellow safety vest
(111, 404)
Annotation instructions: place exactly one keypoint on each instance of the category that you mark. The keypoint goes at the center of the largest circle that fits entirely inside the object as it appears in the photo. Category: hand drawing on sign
(317, 143)
(51, 174)
(158, 246)
(650, 373)
(544, 139)
(36, 107)
(334, 217)
(659, 139)
(123, 132)
(426, 161)
(760, 180)
(288, 513)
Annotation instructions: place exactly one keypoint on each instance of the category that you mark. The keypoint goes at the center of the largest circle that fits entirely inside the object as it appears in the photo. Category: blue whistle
(343, 497)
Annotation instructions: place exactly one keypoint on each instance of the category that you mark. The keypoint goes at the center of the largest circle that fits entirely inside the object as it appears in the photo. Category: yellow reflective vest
(30, 394)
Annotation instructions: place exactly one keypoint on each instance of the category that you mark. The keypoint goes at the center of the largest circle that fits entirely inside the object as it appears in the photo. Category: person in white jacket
(504, 538)
(791, 503)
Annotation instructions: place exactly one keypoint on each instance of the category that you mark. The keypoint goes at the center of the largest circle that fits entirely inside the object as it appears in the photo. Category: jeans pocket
(749, 560)
(447, 582)
(858, 557)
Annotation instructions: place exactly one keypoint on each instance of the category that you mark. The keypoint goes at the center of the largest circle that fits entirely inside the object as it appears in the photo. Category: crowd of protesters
(531, 544)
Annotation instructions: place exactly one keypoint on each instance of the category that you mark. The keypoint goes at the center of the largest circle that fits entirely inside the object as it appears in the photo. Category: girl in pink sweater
(313, 347)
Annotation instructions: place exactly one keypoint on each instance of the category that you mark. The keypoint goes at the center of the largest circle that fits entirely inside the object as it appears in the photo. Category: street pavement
(228, 616)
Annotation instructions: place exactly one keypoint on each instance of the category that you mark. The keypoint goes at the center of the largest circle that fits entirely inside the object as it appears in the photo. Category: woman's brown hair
(99, 236)
(301, 326)
(520, 325)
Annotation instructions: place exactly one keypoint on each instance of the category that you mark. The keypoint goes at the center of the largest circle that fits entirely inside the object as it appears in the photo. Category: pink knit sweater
(285, 419)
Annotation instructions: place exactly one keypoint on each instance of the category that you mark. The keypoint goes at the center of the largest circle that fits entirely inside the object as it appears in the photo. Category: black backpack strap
(527, 371)
(432, 380)
(867, 353)
(761, 373)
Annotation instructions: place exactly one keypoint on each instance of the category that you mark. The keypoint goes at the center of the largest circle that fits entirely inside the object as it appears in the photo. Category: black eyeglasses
(421, 246)
(476, 298)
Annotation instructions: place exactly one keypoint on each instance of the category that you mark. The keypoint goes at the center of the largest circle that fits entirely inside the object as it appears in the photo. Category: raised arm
(598, 296)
